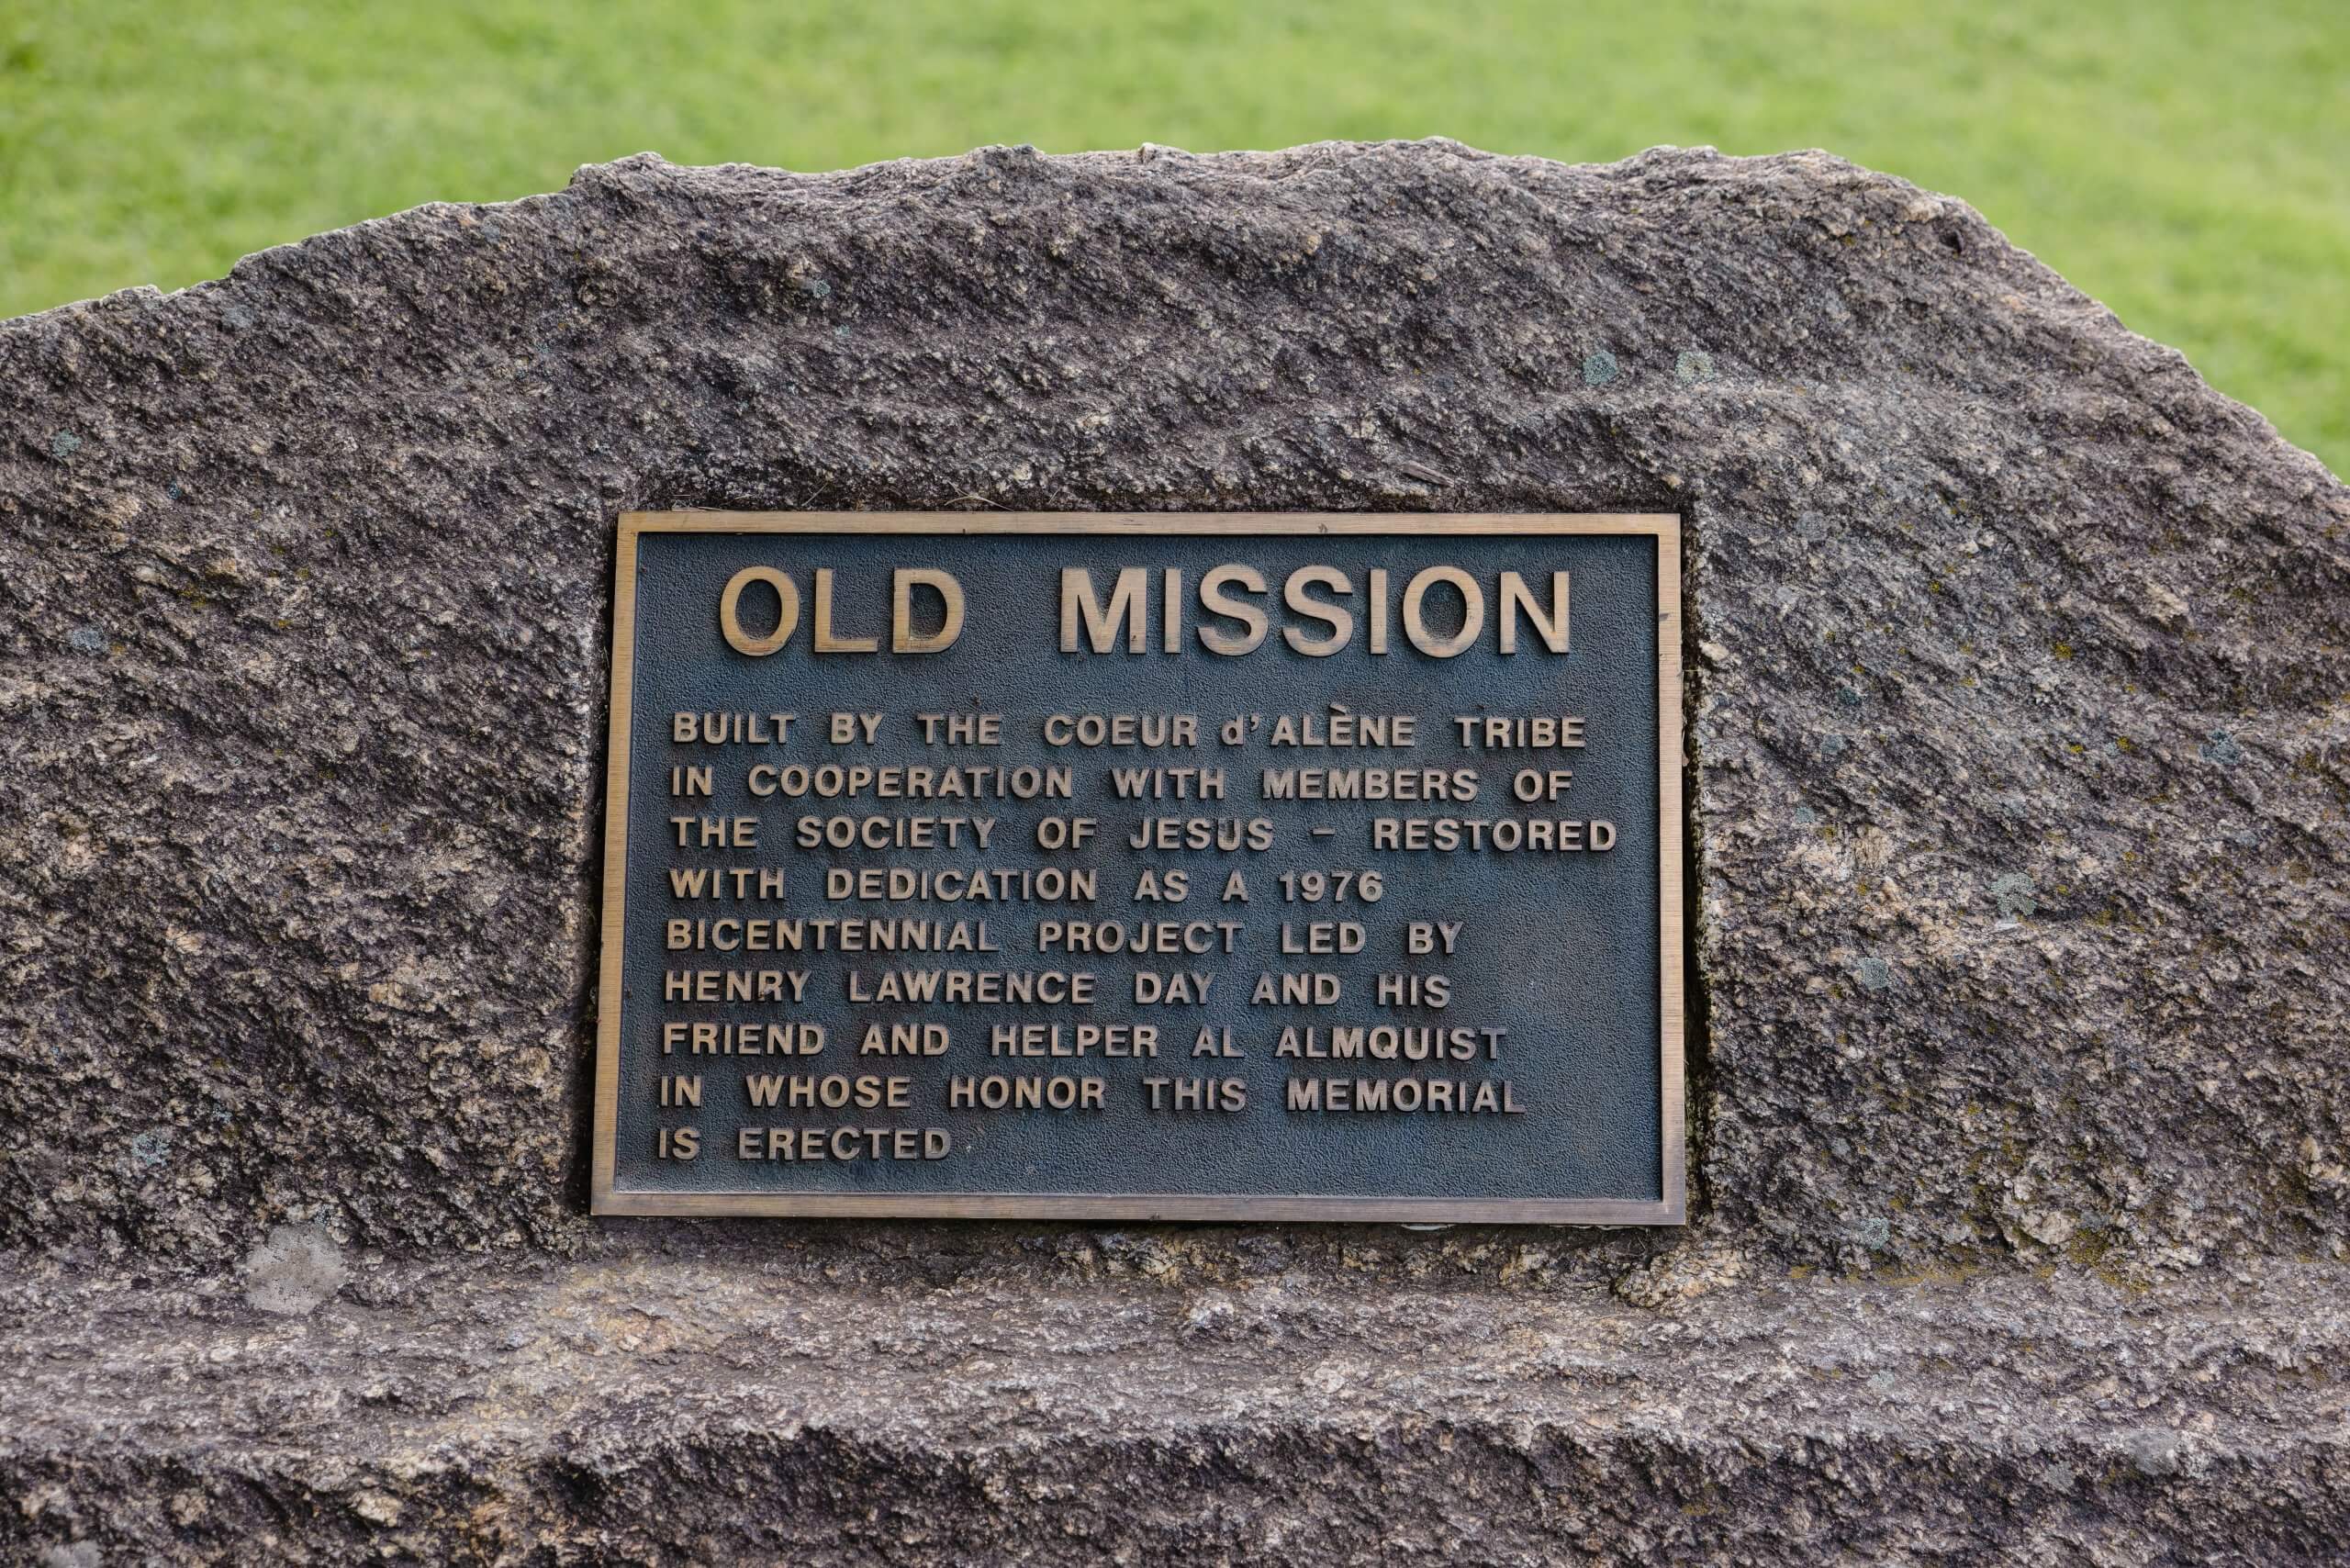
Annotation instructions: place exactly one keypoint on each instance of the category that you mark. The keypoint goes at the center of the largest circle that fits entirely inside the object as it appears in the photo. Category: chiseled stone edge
(698, 1410)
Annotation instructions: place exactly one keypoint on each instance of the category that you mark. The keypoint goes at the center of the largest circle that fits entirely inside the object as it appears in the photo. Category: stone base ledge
(714, 1410)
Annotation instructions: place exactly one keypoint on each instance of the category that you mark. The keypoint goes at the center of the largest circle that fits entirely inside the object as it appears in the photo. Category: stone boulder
(2020, 685)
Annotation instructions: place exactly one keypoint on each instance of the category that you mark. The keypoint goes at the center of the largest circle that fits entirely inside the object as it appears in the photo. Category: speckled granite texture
(691, 1408)
(2020, 689)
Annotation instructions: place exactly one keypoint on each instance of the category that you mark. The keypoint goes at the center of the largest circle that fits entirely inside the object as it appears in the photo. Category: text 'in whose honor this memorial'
(1109, 866)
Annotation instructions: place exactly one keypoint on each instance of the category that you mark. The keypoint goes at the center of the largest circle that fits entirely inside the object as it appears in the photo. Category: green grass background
(2187, 161)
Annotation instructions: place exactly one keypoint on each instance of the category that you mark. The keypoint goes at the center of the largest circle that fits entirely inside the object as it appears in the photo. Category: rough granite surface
(2020, 694)
(697, 1409)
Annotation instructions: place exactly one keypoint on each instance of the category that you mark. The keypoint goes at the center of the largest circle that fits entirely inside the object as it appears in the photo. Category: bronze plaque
(1144, 867)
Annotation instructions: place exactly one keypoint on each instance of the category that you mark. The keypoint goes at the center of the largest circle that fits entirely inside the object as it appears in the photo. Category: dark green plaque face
(1123, 866)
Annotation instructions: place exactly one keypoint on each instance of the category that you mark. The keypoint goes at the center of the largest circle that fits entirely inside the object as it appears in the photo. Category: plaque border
(1671, 1209)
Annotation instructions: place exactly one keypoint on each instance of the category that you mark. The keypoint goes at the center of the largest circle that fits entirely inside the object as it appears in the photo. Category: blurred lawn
(2186, 161)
